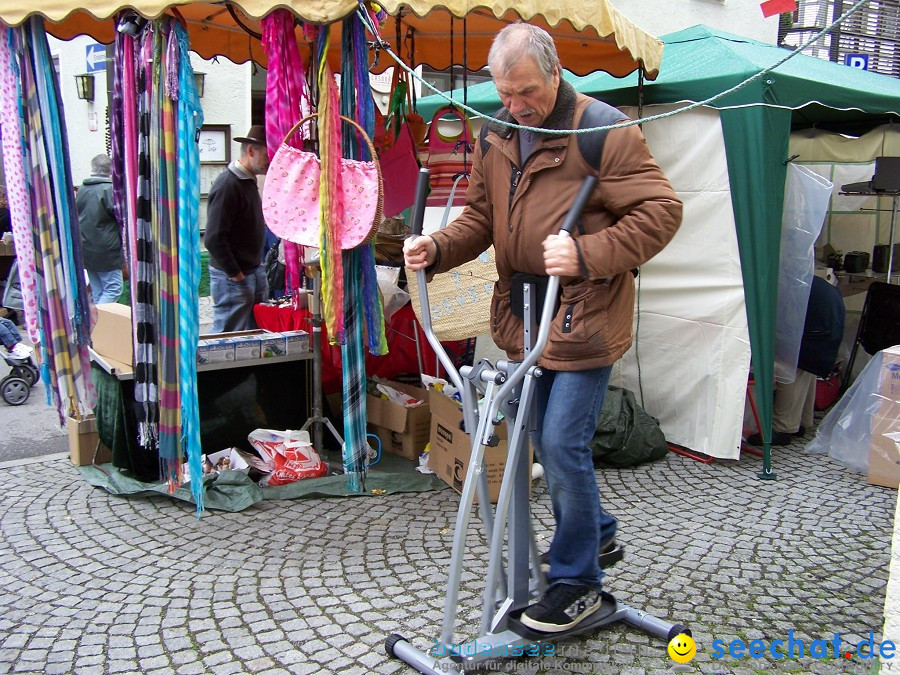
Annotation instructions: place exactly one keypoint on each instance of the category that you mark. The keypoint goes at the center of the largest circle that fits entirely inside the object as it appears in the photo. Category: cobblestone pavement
(93, 583)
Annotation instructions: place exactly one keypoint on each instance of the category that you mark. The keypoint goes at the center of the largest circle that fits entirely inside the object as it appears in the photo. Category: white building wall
(741, 17)
(226, 100)
(85, 120)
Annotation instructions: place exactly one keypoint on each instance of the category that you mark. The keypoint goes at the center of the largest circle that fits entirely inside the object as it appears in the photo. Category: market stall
(155, 116)
(709, 297)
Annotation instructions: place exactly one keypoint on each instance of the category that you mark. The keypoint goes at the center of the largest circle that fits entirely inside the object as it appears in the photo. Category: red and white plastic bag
(288, 455)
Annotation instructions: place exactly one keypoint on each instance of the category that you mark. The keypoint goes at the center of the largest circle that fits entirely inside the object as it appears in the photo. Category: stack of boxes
(249, 345)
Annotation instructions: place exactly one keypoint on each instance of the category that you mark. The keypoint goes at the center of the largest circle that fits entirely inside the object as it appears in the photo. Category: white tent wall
(691, 356)
(852, 222)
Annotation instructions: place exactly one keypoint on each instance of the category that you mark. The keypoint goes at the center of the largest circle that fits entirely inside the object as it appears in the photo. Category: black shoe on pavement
(778, 438)
(800, 432)
(563, 607)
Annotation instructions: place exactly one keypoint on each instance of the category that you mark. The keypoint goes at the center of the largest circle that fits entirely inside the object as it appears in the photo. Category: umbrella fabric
(63, 305)
(19, 205)
(590, 35)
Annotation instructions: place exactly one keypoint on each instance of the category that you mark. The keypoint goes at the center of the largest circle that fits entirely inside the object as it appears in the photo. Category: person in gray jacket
(101, 235)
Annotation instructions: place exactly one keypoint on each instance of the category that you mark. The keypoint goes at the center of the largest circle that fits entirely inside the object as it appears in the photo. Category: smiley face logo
(682, 648)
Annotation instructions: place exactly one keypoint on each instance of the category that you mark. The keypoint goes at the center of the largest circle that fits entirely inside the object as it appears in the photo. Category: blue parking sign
(860, 61)
(95, 55)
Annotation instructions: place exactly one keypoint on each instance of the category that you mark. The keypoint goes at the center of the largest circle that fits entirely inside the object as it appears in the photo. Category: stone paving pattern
(94, 583)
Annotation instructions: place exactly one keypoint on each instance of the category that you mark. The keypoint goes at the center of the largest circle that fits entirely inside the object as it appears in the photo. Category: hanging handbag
(448, 158)
(291, 194)
(461, 298)
(399, 162)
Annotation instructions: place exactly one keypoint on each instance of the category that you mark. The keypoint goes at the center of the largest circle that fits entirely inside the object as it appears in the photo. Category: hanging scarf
(287, 102)
(143, 281)
(190, 119)
(165, 228)
(362, 302)
(64, 320)
(19, 205)
(331, 204)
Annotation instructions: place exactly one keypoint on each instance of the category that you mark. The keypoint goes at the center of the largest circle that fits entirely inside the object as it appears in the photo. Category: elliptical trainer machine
(487, 392)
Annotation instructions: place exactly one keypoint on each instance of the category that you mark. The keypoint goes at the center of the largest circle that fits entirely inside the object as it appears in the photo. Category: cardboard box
(451, 447)
(884, 452)
(246, 347)
(889, 381)
(202, 352)
(403, 431)
(220, 350)
(272, 344)
(112, 333)
(296, 341)
(83, 441)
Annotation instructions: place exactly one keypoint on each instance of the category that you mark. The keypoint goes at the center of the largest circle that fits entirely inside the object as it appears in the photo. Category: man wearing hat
(235, 233)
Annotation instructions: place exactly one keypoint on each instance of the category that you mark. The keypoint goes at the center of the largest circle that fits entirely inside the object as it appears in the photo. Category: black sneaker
(563, 606)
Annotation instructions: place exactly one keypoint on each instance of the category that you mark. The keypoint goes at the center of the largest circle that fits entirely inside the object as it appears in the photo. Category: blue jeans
(233, 300)
(105, 286)
(568, 404)
(9, 334)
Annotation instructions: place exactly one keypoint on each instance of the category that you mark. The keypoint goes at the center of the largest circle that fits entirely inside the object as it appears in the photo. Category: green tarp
(234, 491)
(700, 62)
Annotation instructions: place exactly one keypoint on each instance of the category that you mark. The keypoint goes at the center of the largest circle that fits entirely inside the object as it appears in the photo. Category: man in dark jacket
(522, 185)
(101, 235)
(823, 330)
(235, 234)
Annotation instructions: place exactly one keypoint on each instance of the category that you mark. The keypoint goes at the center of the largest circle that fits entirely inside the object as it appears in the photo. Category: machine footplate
(608, 613)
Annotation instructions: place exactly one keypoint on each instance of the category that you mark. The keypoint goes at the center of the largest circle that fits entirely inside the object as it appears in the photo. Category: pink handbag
(291, 194)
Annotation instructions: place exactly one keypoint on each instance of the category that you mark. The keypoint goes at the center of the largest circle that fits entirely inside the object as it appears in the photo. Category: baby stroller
(15, 388)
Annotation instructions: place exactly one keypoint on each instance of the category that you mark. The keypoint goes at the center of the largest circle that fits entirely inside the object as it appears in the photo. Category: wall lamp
(200, 82)
(84, 85)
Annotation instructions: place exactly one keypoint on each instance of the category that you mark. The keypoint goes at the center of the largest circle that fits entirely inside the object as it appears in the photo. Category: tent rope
(380, 43)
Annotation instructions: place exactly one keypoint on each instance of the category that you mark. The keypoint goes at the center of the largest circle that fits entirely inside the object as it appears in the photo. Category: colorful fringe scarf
(157, 166)
(187, 303)
(63, 316)
(331, 202)
(287, 102)
(362, 302)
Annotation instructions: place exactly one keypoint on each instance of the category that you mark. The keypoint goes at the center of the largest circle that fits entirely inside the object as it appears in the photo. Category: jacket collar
(561, 116)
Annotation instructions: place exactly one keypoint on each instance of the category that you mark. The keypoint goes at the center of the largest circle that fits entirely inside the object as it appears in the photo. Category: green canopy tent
(756, 121)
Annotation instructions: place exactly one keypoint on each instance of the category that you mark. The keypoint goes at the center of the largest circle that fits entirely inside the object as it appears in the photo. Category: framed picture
(215, 143)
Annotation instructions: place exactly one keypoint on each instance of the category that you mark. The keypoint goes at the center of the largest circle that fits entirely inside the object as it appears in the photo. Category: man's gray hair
(101, 165)
(522, 39)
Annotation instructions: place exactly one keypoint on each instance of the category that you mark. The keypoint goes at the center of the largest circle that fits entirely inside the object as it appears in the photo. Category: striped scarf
(143, 281)
(165, 230)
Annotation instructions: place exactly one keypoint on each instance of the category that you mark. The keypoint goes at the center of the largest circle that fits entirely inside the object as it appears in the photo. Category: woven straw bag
(461, 298)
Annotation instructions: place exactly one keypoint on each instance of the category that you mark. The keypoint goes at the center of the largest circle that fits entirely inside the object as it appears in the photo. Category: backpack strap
(597, 114)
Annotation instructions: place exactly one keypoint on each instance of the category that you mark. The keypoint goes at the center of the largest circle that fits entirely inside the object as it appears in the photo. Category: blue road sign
(860, 61)
(95, 55)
